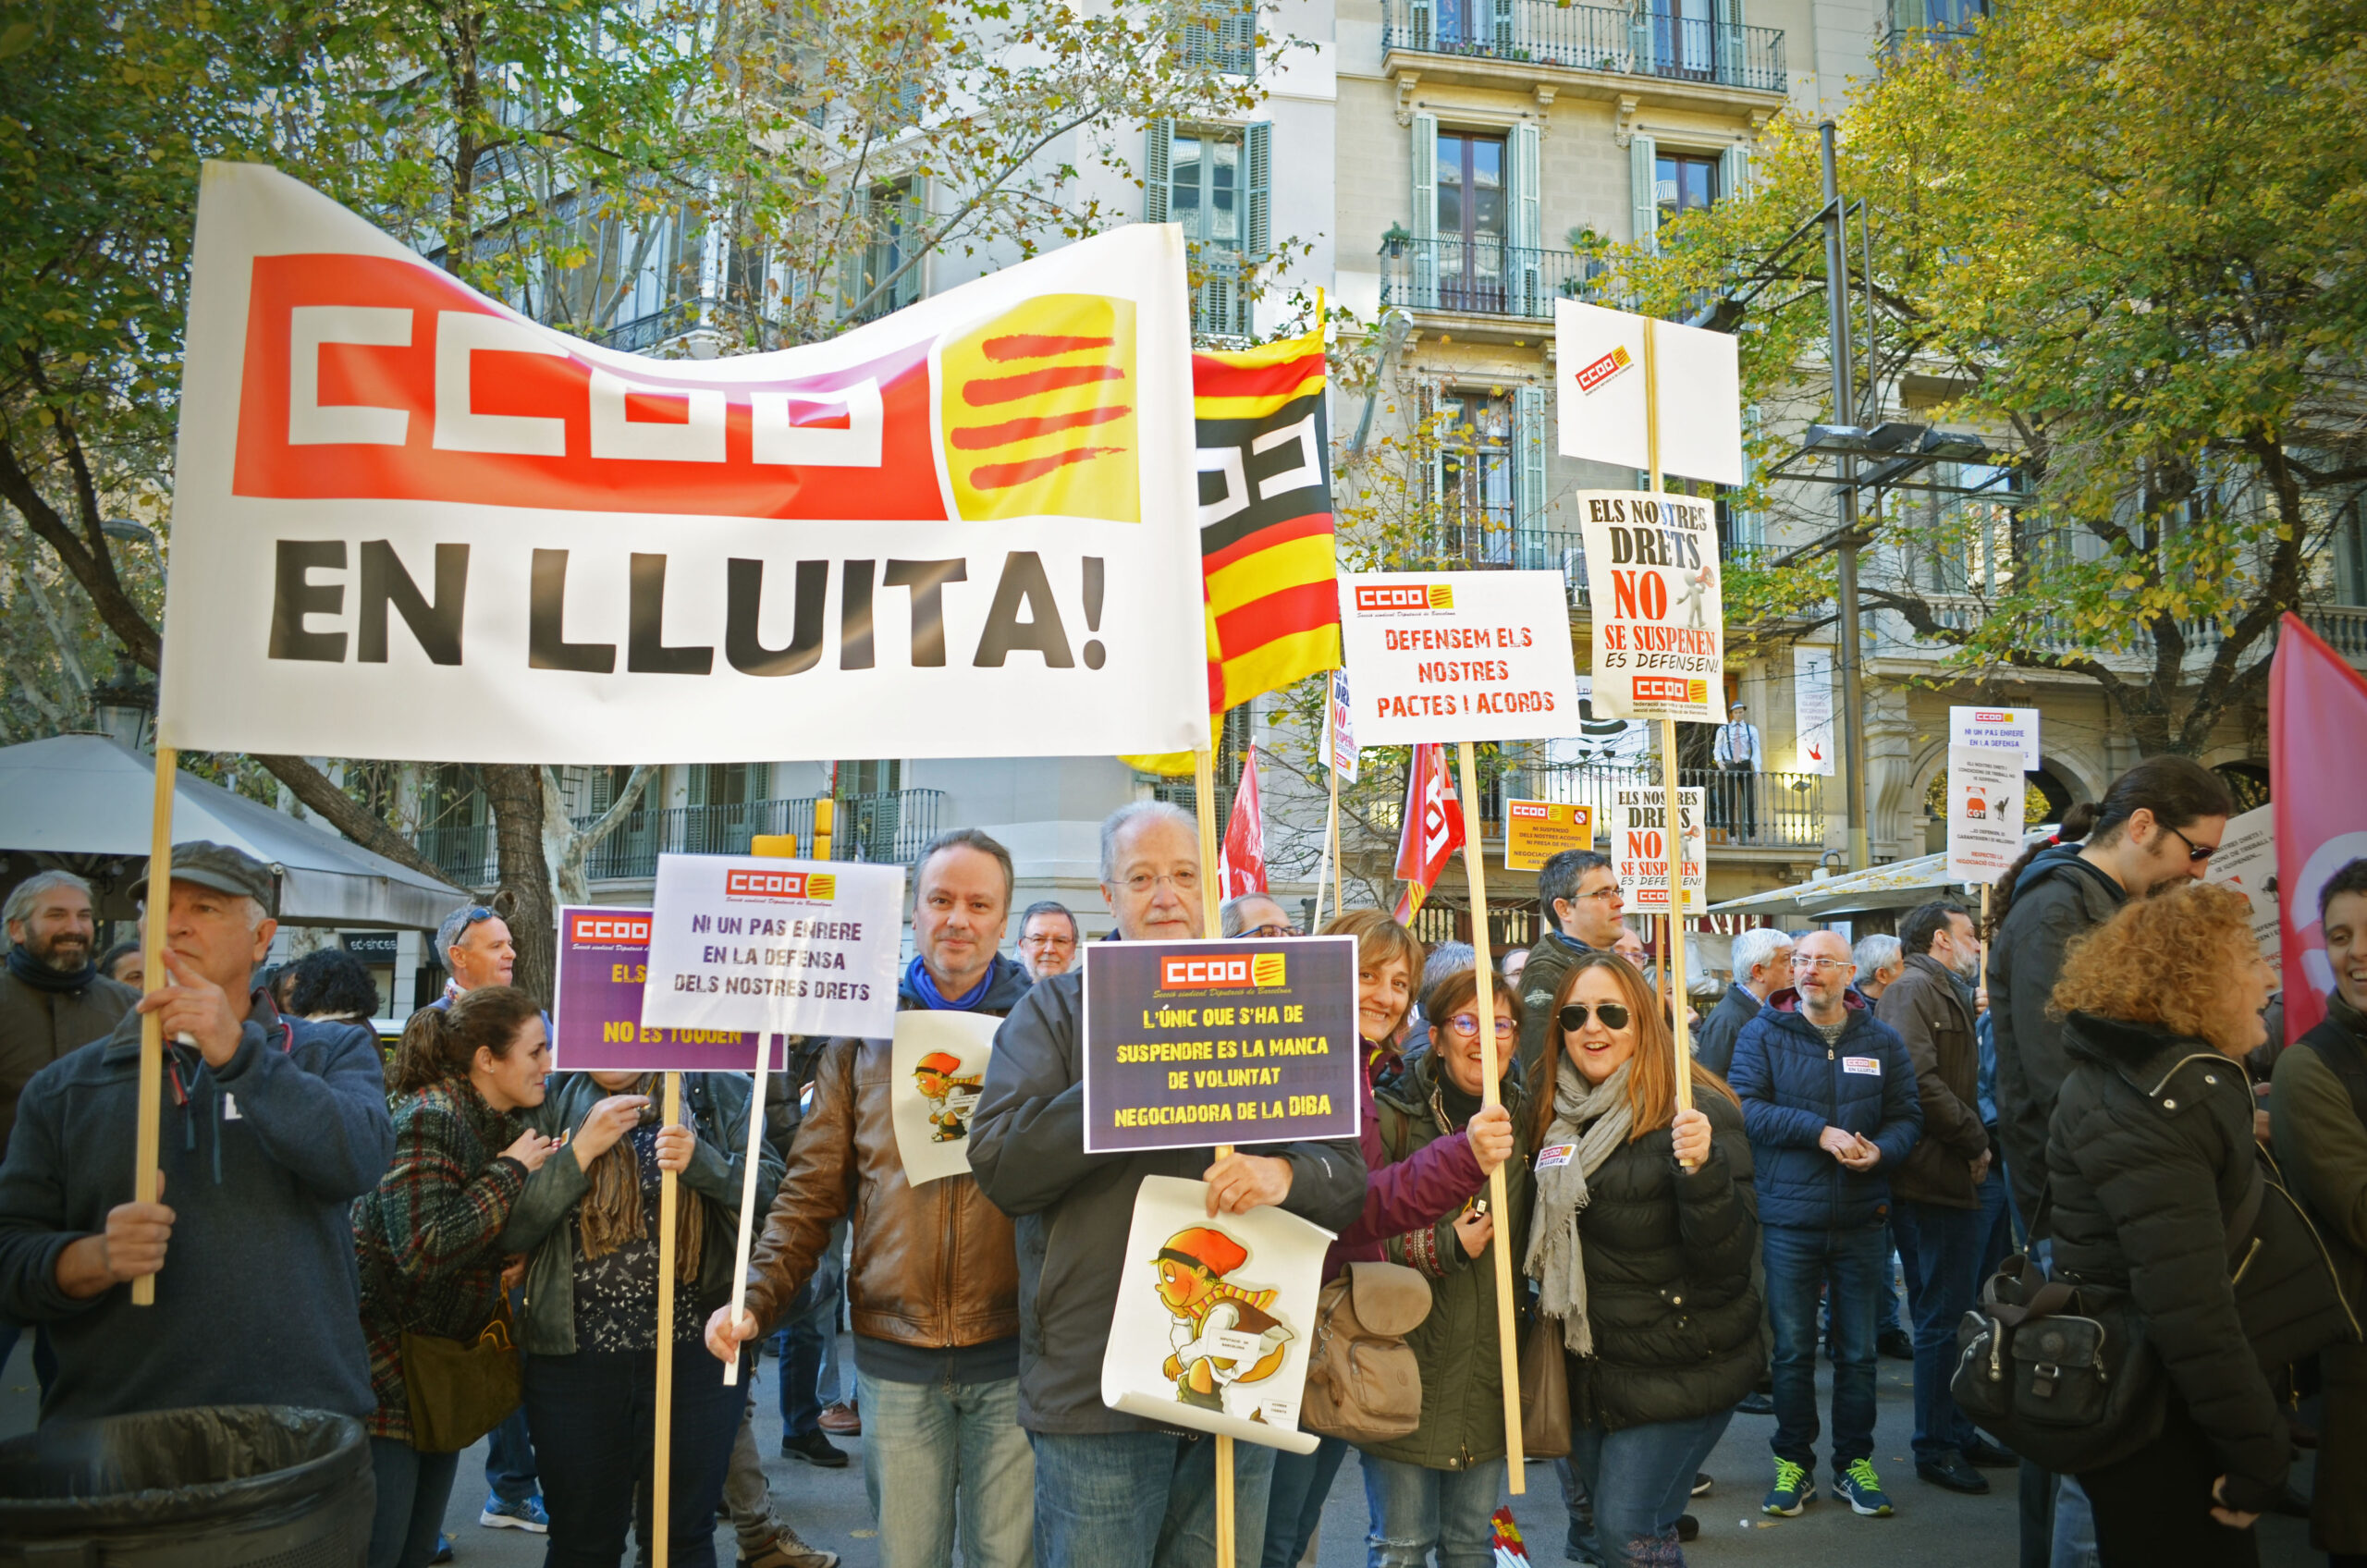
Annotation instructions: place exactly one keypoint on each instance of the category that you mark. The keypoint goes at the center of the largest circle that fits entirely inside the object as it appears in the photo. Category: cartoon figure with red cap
(1223, 1335)
(949, 1096)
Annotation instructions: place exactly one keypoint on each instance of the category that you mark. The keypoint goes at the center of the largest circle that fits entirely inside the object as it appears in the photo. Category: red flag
(1241, 863)
(1434, 829)
(2317, 753)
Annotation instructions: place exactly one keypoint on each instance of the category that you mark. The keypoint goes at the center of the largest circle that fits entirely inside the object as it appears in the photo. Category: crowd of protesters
(464, 1245)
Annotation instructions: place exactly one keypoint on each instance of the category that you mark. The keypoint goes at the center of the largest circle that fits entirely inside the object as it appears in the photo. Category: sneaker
(1701, 1484)
(1894, 1344)
(1794, 1489)
(815, 1449)
(1949, 1470)
(842, 1419)
(526, 1514)
(1862, 1489)
(786, 1550)
(443, 1549)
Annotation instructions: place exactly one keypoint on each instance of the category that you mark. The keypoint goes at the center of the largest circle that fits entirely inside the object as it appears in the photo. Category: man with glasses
(1255, 916)
(1824, 1086)
(1047, 938)
(1111, 1490)
(1579, 895)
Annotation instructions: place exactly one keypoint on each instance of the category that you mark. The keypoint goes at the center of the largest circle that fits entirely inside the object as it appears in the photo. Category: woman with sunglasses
(1641, 1247)
(1436, 1488)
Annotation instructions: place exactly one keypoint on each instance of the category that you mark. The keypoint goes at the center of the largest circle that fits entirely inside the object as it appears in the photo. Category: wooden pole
(1483, 963)
(661, 1459)
(1332, 848)
(1672, 797)
(145, 1173)
(1203, 801)
(784, 846)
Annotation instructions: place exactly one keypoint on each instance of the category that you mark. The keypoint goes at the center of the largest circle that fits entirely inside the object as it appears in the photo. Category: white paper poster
(935, 1064)
(775, 947)
(409, 522)
(1598, 363)
(1991, 730)
(1658, 606)
(1458, 655)
(1601, 741)
(1984, 813)
(1340, 731)
(1639, 853)
(1812, 710)
(1214, 1316)
(2247, 861)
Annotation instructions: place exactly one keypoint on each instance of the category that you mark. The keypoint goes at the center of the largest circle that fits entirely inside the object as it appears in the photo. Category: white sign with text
(1639, 851)
(1598, 356)
(784, 946)
(1658, 610)
(1458, 655)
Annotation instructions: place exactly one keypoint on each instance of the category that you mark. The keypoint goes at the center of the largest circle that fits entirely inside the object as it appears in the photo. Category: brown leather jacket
(934, 1266)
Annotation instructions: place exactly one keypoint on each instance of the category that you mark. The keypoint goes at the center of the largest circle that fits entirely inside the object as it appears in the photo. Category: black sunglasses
(1573, 1016)
(2195, 854)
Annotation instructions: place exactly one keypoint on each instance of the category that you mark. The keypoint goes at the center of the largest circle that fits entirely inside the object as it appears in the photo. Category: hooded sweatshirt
(259, 1301)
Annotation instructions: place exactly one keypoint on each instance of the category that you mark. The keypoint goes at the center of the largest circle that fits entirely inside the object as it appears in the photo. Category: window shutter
(1528, 477)
(1521, 268)
(1503, 28)
(1421, 23)
(913, 241)
(1643, 172)
(1426, 211)
(1734, 171)
(1728, 59)
(1426, 408)
(853, 286)
(1158, 146)
(1257, 144)
(1240, 45)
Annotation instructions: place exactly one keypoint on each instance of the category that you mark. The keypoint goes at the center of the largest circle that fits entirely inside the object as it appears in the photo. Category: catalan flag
(1269, 575)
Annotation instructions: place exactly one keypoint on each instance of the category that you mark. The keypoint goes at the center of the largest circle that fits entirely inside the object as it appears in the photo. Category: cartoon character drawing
(1223, 1335)
(949, 1096)
(1693, 592)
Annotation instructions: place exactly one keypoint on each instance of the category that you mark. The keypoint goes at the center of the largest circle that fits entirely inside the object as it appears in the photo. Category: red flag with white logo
(2317, 753)
(1433, 828)
(1241, 863)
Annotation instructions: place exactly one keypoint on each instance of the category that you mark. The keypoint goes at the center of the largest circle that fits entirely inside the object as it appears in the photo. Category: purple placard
(603, 956)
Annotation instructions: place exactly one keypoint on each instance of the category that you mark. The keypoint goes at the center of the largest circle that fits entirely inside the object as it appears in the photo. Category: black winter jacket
(2058, 896)
(1714, 1048)
(1668, 1256)
(2151, 1153)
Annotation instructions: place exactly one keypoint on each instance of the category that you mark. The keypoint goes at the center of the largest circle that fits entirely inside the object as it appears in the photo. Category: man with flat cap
(272, 1127)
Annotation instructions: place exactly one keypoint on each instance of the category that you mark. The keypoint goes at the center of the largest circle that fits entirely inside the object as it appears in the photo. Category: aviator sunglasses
(1573, 1016)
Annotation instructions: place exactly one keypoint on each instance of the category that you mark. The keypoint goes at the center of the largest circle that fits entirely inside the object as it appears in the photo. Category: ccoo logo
(1185, 972)
(748, 882)
(610, 930)
(1405, 596)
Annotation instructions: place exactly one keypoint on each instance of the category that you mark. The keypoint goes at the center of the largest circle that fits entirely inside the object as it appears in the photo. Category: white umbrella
(92, 795)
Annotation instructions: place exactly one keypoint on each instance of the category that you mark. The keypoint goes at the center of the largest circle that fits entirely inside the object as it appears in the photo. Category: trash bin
(234, 1486)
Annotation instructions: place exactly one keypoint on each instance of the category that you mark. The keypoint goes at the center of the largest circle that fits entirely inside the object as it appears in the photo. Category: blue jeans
(1416, 1509)
(948, 1442)
(808, 1342)
(509, 1453)
(413, 1488)
(1946, 1243)
(594, 1419)
(1996, 1233)
(1639, 1478)
(1294, 1502)
(1142, 1499)
(1852, 1268)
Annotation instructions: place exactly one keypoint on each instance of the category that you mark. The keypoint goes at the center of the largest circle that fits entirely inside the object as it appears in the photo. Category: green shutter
(1529, 416)
(1256, 152)
(1734, 171)
(1522, 268)
(1426, 211)
(1158, 146)
(1643, 170)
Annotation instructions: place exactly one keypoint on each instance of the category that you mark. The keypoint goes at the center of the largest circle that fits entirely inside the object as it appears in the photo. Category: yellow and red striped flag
(1270, 578)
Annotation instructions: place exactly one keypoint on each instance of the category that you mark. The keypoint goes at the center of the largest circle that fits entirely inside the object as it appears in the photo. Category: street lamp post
(1853, 697)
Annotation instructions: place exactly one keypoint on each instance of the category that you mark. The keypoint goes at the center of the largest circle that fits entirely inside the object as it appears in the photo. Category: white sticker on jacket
(1555, 1154)
(1870, 1065)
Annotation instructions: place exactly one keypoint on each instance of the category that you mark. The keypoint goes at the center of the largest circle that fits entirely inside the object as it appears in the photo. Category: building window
(1475, 478)
(1213, 183)
(1471, 222)
(2350, 554)
(1222, 40)
(871, 778)
(1685, 39)
(1204, 187)
(1685, 182)
(899, 224)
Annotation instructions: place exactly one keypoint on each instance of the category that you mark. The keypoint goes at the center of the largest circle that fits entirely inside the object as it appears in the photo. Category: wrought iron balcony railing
(1640, 42)
(1484, 278)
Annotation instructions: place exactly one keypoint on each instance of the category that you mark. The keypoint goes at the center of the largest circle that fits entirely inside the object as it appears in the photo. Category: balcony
(890, 825)
(1748, 811)
(1489, 280)
(1592, 39)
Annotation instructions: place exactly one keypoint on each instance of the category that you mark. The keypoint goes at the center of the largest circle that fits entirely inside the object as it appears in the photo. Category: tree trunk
(515, 792)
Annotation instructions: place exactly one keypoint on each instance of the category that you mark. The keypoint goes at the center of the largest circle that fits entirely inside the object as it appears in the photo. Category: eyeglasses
(1469, 1023)
(1573, 1016)
(1142, 882)
(1271, 929)
(2195, 854)
(1610, 895)
(1799, 962)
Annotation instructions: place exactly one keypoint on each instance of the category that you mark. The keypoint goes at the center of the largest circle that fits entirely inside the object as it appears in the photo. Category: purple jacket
(1412, 1195)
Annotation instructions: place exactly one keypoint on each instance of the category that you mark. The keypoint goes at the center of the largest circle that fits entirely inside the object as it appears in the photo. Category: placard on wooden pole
(1483, 968)
(1204, 803)
(1671, 795)
(146, 1177)
(661, 1459)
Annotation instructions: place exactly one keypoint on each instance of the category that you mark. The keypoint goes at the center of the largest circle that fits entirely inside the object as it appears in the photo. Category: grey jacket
(260, 1299)
(1927, 1010)
(1072, 1210)
(38, 1026)
(2061, 896)
(1714, 1047)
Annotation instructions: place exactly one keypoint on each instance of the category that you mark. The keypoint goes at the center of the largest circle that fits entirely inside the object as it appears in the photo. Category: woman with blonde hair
(2157, 1189)
(1645, 1225)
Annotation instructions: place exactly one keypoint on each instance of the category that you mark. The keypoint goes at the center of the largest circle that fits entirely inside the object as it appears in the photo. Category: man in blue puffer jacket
(1828, 1096)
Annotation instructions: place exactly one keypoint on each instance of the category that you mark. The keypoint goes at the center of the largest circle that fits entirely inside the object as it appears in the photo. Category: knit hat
(1201, 1247)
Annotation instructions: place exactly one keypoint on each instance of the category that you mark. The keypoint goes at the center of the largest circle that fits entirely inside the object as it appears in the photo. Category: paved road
(1931, 1527)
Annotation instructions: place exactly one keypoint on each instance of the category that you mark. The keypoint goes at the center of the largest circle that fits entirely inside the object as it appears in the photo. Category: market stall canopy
(90, 795)
(1902, 884)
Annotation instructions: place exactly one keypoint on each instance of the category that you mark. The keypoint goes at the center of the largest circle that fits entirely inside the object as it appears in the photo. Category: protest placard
(1639, 849)
(1215, 1318)
(1193, 1043)
(2247, 861)
(1340, 733)
(1812, 710)
(1458, 655)
(785, 947)
(1535, 831)
(1987, 748)
(1599, 360)
(936, 1065)
(1659, 608)
(595, 1013)
(969, 520)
